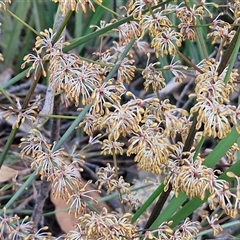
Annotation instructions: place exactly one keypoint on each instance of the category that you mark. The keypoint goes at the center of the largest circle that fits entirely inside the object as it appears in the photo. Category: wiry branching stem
(14, 130)
(45, 186)
(164, 196)
(117, 177)
(159, 205)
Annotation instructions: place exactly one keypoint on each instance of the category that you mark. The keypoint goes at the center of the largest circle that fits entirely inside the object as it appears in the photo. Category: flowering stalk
(81, 40)
(46, 185)
(117, 176)
(165, 139)
(14, 130)
(189, 140)
(26, 102)
(164, 196)
(228, 54)
(20, 20)
(233, 49)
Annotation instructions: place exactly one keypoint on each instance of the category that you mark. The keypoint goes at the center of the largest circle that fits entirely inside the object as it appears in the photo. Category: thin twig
(117, 177)
(45, 186)
(184, 92)
(164, 196)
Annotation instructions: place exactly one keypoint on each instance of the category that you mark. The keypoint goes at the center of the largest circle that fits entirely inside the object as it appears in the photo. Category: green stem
(107, 9)
(14, 131)
(20, 191)
(95, 34)
(148, 202)
(7, 146)
(57, 116)
(6, 94)
(228, 54)
(158, 208)
(198, 148)
(235, 50)
(164, 196)
(62, 26)
(202, 47)
(15, 79)
(31, 90)
(24, 23)
(99, 32)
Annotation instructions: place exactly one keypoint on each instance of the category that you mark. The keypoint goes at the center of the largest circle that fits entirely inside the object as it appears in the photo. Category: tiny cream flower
(75, 5)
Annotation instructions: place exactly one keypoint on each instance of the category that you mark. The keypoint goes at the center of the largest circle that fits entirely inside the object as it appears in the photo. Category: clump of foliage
(148, 81)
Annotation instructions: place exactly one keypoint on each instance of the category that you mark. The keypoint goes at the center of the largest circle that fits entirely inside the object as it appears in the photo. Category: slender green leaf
(12, 35)
(221, 149)
(148, 202)
(172, 207)
(210, 161)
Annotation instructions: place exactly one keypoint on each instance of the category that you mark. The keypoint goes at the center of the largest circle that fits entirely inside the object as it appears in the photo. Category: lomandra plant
(182, 55)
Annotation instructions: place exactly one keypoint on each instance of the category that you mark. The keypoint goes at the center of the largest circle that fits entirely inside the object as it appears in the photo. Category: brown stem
(226, 56)
(158, 207)
(55, 132)
(32, 88)
(117, 178)
(14, 131)
(187, 146)
(45, 186)
(189, 62)
(39, 204)
(164, 196)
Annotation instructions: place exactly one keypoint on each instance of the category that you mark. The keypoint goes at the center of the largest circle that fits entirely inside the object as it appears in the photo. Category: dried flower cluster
(103, 226)
(110, 225)
(21, 115)
(187, 230)
(75, 5)
(213, 95)
(154, 130)
(193, 178)
(52, 165)
(15, 228)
